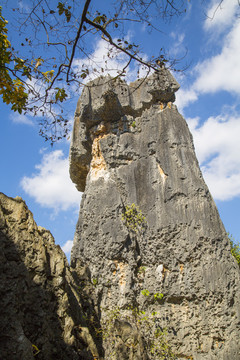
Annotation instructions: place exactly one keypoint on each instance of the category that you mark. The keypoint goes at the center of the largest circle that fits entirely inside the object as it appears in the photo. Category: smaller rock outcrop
(41, 315)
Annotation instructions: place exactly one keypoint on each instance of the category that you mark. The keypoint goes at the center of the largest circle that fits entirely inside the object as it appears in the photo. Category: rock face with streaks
(41, 315)
(149, 236)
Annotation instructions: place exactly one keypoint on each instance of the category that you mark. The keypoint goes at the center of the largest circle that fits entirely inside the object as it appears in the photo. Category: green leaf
(60, 8)
(60, 94)
(68, 15)
(145, 292)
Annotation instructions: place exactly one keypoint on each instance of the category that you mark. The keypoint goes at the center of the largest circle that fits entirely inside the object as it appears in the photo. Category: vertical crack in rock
(168, 271)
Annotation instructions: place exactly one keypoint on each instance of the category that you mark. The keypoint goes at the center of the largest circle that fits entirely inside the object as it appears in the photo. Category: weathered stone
(40, 304)
(116, 103)
(133, 147)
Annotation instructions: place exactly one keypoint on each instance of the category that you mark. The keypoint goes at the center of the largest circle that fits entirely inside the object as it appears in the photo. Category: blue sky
(208, 99)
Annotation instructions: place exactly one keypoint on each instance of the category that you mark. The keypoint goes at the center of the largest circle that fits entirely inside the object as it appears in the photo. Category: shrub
(133, 218)
(235, 249)
(146, 325)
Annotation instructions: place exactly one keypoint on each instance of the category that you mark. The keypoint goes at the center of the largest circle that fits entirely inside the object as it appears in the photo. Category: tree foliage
(44, 67)
(12, 88)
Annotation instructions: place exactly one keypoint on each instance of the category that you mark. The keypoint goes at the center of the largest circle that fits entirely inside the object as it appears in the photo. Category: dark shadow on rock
(82, 279)
(41, 316)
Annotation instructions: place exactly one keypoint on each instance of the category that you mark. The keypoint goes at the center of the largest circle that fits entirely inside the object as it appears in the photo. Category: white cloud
(185, 97)
(221, 72)
(218, 147)
(21, 119)
(193, 123)
(178, 49)
(217, 139)
(50, 185)
(67, 247)
(43, 150)
(217, 73)
(220, 15)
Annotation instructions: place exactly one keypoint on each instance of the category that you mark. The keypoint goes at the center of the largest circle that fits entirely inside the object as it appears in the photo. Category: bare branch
(110, 40)
(84, 13)
(215, 11)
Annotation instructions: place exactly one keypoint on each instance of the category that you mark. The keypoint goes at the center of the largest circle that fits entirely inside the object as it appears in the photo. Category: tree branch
(110, 40)
(84, 13)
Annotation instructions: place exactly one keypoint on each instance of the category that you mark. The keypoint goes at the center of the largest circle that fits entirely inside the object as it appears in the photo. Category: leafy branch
(39, 85)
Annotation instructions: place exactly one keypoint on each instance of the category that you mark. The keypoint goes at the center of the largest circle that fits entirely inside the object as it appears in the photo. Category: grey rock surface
(115, 103)
(41, 316)
(131, 146)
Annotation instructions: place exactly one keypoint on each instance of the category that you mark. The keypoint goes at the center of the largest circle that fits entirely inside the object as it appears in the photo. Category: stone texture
(114, 103)
(41, 314)
(131, 146)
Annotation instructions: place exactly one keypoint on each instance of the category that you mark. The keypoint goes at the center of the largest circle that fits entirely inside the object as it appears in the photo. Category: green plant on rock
(106, 331)
(154, 336)
(108, 326)
(134, 327)
(133, 218)
(159, 346)
(145, 292)
(141, 270)
(235, 249)
(158, 296)
(133, 124)
(95, 281)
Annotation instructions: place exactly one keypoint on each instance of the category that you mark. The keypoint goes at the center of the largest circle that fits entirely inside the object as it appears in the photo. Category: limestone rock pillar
(132, 151)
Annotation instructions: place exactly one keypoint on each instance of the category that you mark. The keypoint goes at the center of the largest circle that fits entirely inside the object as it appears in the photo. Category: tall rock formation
(41, 313)
(149, 235)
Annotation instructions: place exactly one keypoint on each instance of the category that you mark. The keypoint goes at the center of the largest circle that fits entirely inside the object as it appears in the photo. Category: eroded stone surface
(106, 102)
(41, 314)
(136, 148)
